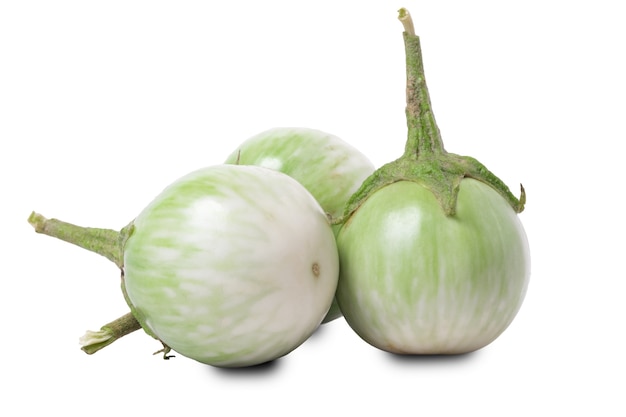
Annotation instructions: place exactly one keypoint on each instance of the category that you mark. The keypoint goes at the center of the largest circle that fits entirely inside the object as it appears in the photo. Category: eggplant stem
(92, 342)
(425, 160)
(405, 17)
(105, 242)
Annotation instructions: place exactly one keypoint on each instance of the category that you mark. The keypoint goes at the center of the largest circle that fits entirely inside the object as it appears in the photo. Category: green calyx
(425, 161)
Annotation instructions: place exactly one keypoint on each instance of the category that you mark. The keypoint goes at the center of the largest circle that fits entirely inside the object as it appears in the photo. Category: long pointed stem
(425, 160)
(423, 136)
(105, 242)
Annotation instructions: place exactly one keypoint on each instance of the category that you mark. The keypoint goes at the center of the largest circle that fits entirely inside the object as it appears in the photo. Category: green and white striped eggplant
(231, 265)
(330, 168)
(434, 259)
(414, 280)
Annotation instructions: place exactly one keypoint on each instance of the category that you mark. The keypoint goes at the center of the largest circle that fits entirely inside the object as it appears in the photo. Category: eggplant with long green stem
(230, 265)
(434, 258)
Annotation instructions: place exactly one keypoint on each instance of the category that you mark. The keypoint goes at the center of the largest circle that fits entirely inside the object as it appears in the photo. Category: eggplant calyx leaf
(441, 173)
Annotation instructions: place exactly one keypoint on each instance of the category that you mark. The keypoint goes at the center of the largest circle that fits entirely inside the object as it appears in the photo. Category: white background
(102, 104)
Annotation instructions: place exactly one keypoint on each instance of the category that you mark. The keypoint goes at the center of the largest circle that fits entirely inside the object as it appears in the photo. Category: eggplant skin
(232, 265)
(415, 281)
(330, 168)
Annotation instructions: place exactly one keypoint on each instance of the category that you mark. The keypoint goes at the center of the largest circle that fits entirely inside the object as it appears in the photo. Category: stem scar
(316, 269)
